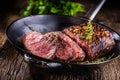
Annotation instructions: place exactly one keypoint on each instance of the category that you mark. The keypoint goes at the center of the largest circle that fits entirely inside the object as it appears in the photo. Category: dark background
(112, 4)
(17, 5)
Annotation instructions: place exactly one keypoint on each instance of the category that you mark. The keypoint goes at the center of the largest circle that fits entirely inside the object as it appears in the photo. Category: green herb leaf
(61, 7)
(89, 30)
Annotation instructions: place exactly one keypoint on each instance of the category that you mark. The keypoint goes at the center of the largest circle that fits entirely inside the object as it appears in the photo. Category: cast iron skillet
(47, 23)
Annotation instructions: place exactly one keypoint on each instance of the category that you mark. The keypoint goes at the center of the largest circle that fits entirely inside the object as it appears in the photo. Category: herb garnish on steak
(100, 42)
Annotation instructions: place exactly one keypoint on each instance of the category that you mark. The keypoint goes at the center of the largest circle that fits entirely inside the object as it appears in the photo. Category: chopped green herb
(100, 59)
(88, 30)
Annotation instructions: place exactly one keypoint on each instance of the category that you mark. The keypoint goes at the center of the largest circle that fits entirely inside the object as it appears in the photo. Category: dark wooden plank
(12, 64)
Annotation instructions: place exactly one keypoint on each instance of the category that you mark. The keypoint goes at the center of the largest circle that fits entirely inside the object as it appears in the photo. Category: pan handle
(94, 10)
(42, 63)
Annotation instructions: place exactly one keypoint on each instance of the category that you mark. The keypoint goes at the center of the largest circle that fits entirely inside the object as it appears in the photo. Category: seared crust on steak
(101, 41)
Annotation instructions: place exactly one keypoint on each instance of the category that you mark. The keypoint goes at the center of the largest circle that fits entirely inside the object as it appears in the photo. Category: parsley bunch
(60, 7)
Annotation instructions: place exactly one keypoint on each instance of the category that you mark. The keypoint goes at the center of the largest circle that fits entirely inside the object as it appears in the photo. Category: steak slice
(100, 43)
(40, 45)
(31, 38)
(64, 51)
(53, 44)
(68, 49)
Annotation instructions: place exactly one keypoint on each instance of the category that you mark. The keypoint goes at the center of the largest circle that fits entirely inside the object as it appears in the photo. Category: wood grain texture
(12, 64)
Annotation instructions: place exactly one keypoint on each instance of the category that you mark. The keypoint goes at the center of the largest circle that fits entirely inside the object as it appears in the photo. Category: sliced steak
(53, 44)
(68, 49)
(41, 45)
(100, 43)
(64, 51)
(31, 38)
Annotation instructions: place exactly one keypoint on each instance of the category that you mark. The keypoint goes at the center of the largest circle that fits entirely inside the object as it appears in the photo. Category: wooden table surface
(13, 66)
